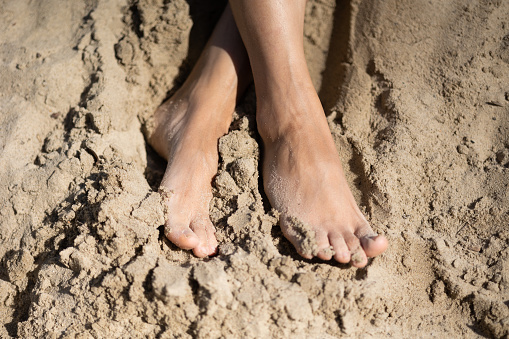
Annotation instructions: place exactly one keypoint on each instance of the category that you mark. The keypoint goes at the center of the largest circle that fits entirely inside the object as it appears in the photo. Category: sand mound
(417, 99)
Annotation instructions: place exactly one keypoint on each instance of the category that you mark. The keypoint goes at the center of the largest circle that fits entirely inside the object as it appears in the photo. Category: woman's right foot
(186, 131)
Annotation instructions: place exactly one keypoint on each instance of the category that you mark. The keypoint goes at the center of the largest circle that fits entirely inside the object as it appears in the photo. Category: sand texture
(417, 98)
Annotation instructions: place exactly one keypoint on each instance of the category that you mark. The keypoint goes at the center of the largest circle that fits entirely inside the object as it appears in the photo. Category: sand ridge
(417, 102)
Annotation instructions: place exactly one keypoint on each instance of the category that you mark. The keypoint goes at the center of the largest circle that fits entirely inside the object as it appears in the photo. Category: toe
(296, 242)
(181, 235)
(374, 245)
(358, 257)
(207, 240)
(211, 238)
(325, 251)
(342, 254)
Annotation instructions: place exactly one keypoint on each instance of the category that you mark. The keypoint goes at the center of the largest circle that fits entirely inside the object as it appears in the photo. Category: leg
(186, 129)
(302, 173)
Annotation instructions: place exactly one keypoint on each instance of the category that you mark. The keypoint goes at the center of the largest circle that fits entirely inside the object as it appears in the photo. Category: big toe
(182, 236)
(207, 244)
(374, 245)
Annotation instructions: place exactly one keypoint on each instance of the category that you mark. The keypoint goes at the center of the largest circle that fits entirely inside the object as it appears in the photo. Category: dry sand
(417, 97)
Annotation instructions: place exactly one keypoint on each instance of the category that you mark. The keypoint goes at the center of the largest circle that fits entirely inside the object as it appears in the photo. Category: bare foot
(302, 173)
(186, 134)
(304, 181)
(185, 131)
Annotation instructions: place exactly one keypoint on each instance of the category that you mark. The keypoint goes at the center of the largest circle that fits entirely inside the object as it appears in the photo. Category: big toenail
(187, 233)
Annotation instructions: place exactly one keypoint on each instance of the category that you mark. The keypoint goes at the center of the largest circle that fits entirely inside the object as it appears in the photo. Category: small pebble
(474, 248)
(462, 149)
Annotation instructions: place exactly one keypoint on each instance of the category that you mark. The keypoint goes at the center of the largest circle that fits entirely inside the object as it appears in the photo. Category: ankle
(280, 116)
(211, 84)
(273, 124)
(194, 108)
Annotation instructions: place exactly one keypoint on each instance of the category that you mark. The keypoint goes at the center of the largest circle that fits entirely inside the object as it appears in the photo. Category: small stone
(227, 249)
(491, 286)
(95, 146)
(476, 282)
(455, 263)
(124, 51)
(462, 149)
(87, 161)
(75, 260)
(497, 277)
(67, 215)
(502, 157)
(53, 142)
(474, 248)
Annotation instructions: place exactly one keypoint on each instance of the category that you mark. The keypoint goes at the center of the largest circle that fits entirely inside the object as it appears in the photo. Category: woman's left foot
(304, 181)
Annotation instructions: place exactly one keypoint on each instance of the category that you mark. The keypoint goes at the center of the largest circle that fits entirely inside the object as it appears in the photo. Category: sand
(417, 98)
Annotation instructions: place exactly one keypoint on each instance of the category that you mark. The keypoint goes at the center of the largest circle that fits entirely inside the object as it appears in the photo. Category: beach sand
(417, 99)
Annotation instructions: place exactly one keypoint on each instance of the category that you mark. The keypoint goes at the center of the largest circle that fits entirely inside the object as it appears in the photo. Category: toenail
(344, 255)
(187, 233)
(206, 251)
(371, 237)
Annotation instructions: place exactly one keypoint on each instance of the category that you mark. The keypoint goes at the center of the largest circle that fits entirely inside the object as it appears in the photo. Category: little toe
(342, 254)
(182, 236)
(304, 254)
(296, 241)
(374, 245)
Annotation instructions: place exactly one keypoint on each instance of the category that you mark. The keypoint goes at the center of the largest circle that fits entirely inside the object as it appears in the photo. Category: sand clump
(417, 101)
(304, 234)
